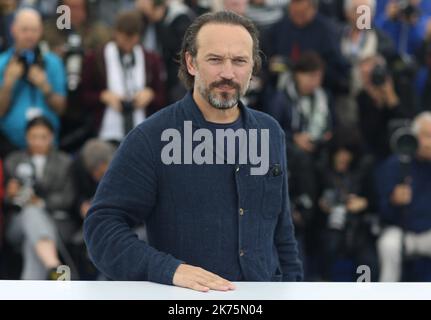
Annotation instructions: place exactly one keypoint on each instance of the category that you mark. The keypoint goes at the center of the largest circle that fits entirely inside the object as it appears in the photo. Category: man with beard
(207, 225)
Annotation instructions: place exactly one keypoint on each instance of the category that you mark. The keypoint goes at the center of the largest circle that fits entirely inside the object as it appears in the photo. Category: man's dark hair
(129, 23)
(313, 2)
(190, 40)
(308, 62)
(40, 121)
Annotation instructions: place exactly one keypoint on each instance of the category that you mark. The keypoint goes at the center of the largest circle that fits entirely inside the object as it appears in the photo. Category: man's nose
(227, 70)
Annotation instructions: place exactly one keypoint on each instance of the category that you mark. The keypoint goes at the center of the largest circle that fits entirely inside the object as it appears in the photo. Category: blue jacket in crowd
(27, 101)
(407, 38)
(321, 35)
(415, 217)
(217, 217)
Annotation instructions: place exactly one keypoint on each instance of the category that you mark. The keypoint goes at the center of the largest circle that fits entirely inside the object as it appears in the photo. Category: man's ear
(191, 68)
(12, 30)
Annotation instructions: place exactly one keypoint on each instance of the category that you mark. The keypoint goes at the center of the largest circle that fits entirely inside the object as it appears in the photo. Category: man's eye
(240, 61)
(214, 59)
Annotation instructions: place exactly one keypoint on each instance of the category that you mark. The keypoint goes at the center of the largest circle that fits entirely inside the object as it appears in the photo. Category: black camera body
(404, 142)
(379, 75)
(408, 10)
(127, 106)
(29, 58)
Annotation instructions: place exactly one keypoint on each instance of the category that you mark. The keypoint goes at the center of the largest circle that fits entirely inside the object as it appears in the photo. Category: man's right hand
(12, 188)
(14, 71)
(198, 279)
(112, 100)
(402, 195)
(85, 207)
(303, 141)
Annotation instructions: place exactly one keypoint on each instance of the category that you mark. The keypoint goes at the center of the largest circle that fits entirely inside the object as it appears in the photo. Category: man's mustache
(228, 83)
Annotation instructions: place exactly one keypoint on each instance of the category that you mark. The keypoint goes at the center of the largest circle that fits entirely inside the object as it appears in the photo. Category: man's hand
(198, 279)
(297, 218)
(36, 201)
(112, 100)
(389, 93)
(12, 188)
(402, 195)
(303, 141)
(37, 76)
(143, 98)
(85, 206)
(14, 71)
(356, 204)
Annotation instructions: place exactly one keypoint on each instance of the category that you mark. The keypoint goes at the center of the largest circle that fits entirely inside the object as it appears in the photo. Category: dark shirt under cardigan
(218, 217)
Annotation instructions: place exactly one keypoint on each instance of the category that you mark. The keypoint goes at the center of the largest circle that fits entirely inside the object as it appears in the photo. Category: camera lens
(379, 75)
(404, 143)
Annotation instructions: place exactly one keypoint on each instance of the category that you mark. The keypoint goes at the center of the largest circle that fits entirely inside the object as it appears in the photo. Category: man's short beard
(225, 102)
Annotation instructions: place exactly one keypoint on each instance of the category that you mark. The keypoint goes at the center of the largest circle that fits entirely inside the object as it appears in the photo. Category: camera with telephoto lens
(26, 178)
(403, 141)
(29, 58)
(127, 106)
(379, 74)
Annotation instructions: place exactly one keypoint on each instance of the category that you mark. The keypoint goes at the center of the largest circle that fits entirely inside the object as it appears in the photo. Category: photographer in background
(166, 22)
(357, 44)
(123, 83)
(405, 22)
(404, 195)
(38, 195)
(32, 82)
(347, 201)
(378, 104)
(424, 58)
(304, 29)
(88, 168)
(302, 108)
(72, 45)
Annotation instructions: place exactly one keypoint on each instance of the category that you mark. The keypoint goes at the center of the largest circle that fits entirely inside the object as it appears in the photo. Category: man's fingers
(213, 284)
(225, 283)
(219, 285)
(216, 282)
(199, 287)
(200, 280)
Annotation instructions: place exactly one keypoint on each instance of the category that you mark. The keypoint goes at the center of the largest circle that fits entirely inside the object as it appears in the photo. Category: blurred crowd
(353, 98)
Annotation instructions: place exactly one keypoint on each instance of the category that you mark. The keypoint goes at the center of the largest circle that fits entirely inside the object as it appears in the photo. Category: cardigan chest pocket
(273, 197)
